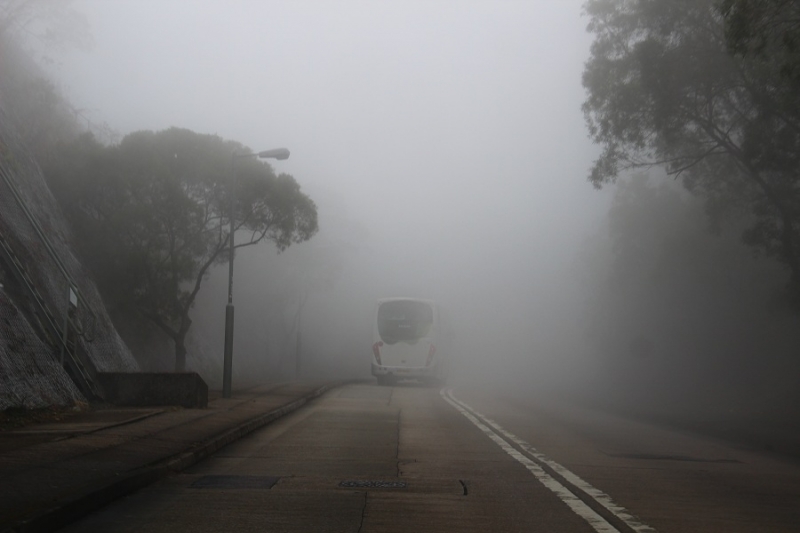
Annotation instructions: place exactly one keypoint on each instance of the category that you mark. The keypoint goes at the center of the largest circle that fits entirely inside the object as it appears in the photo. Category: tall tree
(664, 88)
(685, 315)
(29, 31)
(152, 215)
(48, 23)
(769, 29)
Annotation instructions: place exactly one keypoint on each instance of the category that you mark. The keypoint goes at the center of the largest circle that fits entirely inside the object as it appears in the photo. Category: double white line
(536, 462)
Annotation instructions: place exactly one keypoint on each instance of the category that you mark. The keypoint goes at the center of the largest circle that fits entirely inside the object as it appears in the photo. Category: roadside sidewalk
(52, 474)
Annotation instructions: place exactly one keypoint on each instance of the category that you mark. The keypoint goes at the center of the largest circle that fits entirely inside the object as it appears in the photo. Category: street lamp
(277, 153)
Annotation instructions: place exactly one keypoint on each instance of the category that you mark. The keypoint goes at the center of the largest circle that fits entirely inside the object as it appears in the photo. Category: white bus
(409, 341)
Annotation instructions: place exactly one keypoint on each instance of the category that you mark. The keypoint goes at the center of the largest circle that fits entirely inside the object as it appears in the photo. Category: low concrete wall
(154, 388)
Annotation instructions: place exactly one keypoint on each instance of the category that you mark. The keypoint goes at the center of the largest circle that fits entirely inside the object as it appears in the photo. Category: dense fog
(446, 150)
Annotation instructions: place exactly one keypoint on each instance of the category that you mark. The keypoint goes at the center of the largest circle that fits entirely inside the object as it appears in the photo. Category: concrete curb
(103, 494)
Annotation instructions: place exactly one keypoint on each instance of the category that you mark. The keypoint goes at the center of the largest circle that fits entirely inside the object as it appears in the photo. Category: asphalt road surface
(417, 459)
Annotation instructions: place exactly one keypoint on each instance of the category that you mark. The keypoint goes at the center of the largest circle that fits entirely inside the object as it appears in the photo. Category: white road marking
(533, 462)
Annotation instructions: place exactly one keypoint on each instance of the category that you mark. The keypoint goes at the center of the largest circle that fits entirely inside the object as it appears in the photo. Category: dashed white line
(534, 460)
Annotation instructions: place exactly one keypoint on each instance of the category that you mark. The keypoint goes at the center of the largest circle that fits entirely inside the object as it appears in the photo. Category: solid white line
(578, 506)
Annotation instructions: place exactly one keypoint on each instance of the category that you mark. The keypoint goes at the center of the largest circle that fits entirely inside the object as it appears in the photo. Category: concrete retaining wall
(153, 388)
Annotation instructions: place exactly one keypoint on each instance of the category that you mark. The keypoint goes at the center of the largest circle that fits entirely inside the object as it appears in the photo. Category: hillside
(37, 269)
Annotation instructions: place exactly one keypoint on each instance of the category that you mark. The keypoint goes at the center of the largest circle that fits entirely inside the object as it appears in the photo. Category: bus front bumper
(410, 372)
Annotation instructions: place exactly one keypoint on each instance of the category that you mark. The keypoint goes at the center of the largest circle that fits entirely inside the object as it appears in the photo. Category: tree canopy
(672, 308)
(677, 83)
(769, 29)
(50, 22)
(152, 215)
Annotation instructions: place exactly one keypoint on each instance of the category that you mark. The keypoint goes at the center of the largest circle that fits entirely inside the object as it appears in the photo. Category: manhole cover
(235, 482)
(374, 484)
(660, 457)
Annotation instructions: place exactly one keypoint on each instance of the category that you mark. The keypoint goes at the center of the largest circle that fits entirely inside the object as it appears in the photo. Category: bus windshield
(404, 320)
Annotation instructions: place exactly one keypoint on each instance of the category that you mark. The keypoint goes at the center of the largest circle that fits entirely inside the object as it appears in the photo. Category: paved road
(407, 458)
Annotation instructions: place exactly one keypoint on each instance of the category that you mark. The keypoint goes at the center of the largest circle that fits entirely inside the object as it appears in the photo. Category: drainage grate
(374, 484)
(659, 457)
(235, 482)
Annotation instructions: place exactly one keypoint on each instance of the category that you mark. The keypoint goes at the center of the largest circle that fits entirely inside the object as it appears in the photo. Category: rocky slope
(35, 239)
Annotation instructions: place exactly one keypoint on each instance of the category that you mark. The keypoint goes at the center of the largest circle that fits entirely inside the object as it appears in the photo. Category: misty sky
(451, 130)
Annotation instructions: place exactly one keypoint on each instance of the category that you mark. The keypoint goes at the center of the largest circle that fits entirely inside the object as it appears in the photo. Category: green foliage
(48, 23)
(765, 36)
(40, 116)
(30, 101)
(672, 308)
(769, 29)
(152, 217)
(664, 88)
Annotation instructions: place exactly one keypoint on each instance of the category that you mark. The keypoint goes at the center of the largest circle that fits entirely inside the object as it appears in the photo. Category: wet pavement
(54, 472)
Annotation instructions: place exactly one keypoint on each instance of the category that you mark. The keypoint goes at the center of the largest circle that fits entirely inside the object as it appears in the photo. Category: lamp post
(277, 153)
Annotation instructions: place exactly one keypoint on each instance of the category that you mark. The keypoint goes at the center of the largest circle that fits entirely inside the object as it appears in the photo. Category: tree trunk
(789, 247)
(180, 342)
(787, 228)
(180, 356)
